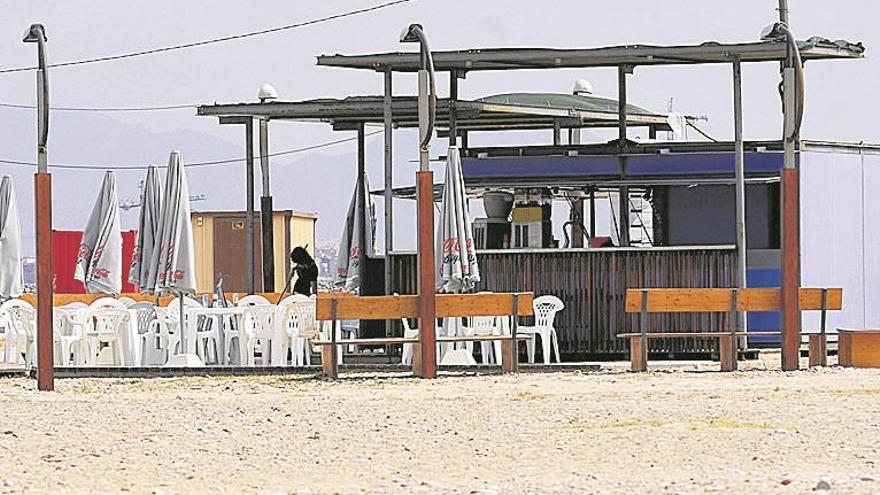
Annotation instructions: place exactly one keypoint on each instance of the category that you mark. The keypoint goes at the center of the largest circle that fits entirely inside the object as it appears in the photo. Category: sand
(676, 431)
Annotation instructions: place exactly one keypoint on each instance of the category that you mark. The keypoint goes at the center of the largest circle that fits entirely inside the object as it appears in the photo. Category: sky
(841, 96)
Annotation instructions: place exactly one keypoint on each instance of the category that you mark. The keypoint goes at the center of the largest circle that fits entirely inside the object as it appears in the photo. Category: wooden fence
(593, 282)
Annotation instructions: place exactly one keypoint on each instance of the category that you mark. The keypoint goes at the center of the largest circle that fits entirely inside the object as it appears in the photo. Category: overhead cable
(188, 165)
(194, 44)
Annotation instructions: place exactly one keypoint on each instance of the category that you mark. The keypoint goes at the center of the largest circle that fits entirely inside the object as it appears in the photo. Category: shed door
(230, 253)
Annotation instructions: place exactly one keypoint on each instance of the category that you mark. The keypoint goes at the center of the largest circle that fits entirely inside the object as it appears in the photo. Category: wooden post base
(727, 353)
(417, 361)
(818, 349)
(328, 363)
(509, 362)
(638, 356)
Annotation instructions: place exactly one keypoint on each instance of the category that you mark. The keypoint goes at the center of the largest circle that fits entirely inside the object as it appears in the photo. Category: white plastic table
(192, 319)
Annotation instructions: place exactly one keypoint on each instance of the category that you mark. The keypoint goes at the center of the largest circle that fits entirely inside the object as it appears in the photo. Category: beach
(679, 430)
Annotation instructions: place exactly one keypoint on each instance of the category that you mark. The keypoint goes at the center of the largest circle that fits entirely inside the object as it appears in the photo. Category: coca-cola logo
(83, 253)
(101, 273)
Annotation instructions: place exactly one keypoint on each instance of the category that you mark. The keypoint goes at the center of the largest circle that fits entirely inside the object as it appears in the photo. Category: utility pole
(43, 206)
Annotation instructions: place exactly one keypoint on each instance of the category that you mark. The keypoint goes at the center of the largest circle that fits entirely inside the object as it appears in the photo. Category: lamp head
(411, 34)
(267, 92)
(34, 33)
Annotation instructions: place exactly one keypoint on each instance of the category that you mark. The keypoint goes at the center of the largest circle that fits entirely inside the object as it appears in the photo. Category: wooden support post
(639, 345)
(727, 346)
(45, 347)
(791, 276)
(635, 351)
(427, 296)
(329, 355)
(509, 350)
(818, 348)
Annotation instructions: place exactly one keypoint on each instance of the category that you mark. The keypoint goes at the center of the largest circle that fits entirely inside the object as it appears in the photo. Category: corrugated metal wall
(593, 283)
(65, 246)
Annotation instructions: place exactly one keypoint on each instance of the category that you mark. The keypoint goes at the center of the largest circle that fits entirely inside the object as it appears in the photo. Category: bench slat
(719, 300)
(397, 307)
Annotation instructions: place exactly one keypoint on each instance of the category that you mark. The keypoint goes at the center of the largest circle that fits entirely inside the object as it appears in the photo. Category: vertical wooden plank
(727, 346)
(817, 349)
(510, 356)
(636, 351)
(844, 348)
(643, 329)
(329, 355)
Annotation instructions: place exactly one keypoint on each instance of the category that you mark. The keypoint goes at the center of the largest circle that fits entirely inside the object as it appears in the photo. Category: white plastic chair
(299, 326)
(146, 313)
(127, 301)
(107, 303)
(107, 326)
(406, 356)
(163, 337)
(69, 336)
(487, 325)
(256, 328)
(545, 308)
(20, 319)
(207, 329)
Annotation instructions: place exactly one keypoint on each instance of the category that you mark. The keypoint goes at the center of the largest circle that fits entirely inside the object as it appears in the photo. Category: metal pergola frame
(624, 58)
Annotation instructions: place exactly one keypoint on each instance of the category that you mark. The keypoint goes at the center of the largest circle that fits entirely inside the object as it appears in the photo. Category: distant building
(219, 239)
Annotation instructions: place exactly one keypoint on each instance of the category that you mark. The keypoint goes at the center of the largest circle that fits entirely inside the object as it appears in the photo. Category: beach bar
(717, 210)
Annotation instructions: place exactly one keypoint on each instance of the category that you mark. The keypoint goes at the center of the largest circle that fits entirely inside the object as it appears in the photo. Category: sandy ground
(673, 431)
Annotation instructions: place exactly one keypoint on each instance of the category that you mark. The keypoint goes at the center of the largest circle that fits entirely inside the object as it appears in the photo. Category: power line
(194, 164)
(100, 109)
(213, 40)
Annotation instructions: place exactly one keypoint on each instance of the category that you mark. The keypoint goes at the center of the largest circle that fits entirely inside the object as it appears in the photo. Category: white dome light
(267, 92)
(583, 86)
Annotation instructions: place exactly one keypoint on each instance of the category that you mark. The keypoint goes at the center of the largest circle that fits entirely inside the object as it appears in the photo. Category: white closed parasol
(99, 261)
(148, 230)
(10, 241)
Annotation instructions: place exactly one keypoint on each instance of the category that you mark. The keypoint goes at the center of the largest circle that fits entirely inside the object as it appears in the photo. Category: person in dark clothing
(306, 272)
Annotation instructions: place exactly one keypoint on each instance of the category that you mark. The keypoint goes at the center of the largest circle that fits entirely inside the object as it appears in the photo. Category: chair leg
(530, 348)
(545, 346)
(555, 342)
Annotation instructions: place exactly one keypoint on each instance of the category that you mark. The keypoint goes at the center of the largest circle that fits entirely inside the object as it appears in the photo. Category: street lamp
(792, 112)
(425, 205)
(267, 93)
(36, 33)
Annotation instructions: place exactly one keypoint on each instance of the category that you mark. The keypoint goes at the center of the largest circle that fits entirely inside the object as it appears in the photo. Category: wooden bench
(335, 307)
(858, 348)
(732, 301)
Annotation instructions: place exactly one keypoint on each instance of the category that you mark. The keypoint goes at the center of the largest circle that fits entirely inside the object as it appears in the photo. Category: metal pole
(783, 11)
(623, 199)
(389, 187)
(425, 215)
(740, 203)
(453, 112)
(266, 212)
(43, 208)
(593, 211)
(249, 220)
(361, 208)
